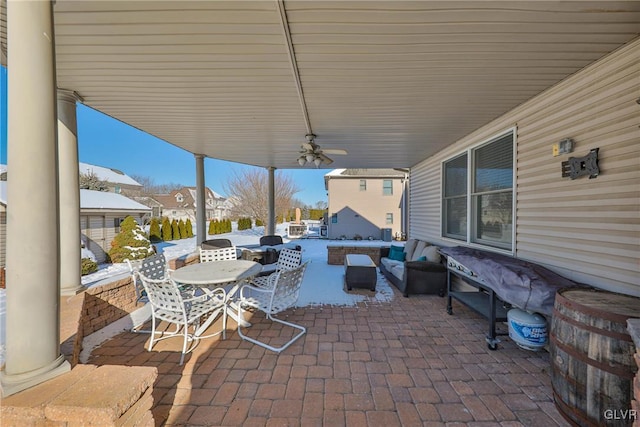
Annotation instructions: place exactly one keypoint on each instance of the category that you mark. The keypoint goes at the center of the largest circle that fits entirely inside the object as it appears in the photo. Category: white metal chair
(288, 260)
(277, 297)
(184, 310)
(220, 254)
(153, 267)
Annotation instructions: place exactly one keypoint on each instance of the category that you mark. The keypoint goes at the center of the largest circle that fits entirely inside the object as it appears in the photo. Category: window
(477, 205)
(389, 219)
(334, 218)
(454, 203)
(387, 187)
(116, 224)
(363, 185)
(179, 198)
(117, 189)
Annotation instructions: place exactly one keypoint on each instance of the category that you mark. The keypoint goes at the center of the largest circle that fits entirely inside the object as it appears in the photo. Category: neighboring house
(181, 204)
(100, 216)
(365, 202)
(149, 201)
(118, 182)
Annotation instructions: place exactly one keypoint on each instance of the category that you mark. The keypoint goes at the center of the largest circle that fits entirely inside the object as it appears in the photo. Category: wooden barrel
(592, 366)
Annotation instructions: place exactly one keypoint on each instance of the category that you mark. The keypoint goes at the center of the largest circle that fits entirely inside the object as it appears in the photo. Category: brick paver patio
(402, 363)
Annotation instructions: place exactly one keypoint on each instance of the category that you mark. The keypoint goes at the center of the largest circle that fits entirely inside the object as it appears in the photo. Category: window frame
(363, 185)
(384, 188)
(389, 218)
(472, 196)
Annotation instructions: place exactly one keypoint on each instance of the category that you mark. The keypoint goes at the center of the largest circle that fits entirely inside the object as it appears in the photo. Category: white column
(70, 283)
(201, 209)
(33, 289)
(271, 218)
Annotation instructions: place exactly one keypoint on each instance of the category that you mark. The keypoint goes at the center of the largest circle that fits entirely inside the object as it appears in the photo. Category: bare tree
(248, 192)
(90, 181)
(149, 186)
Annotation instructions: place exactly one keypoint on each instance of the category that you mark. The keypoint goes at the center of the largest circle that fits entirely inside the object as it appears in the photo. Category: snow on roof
(3, 168)
(335, 172)
(106, 174)
(91, 199)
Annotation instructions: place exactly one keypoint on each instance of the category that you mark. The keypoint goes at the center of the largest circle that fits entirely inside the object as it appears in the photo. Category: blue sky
(107, 142)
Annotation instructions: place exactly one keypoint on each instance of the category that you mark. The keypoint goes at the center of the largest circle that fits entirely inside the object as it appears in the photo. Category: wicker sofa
(421, 272)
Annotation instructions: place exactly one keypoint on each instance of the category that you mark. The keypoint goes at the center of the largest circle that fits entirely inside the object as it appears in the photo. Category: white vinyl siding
(585, 229)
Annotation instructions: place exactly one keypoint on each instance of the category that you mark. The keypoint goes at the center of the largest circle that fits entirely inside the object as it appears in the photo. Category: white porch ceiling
(392, 82)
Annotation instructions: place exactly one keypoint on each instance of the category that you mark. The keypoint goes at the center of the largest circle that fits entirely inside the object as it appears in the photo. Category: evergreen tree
(154, 231)
(130, 243)
(175, 230)
(189, 228)
(166, 229)
(183, 230)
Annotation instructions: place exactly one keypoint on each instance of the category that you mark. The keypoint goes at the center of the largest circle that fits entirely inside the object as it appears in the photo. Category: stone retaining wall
(336, 253)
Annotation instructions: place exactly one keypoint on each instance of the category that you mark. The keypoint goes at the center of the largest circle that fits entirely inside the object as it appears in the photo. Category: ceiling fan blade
(338, 151)
(325, 159)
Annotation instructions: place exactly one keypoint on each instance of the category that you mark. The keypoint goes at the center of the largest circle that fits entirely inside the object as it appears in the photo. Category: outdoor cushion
(410, 247)
(389, 263)
(418, 251)
(396, 253)
(431, 254)
(398, 271)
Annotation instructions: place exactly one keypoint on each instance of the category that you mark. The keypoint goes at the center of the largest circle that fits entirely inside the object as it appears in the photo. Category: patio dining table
(218, 274)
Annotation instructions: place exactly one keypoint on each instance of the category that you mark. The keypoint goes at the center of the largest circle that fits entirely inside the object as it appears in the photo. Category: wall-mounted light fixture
(565, 146)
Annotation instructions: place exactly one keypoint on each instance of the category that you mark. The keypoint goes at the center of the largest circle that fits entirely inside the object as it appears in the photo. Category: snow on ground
(322, 283)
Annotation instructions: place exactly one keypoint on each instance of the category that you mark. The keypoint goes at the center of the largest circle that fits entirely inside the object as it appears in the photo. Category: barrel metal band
(615, 317)
(615, 370)
(612, 334)
(565, 410)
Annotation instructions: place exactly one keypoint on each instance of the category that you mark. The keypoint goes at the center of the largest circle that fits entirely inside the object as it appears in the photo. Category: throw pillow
(422, 258)
(396, 253)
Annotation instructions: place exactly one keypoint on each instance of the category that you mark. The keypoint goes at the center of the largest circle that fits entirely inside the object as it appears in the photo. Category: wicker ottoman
(359, 272)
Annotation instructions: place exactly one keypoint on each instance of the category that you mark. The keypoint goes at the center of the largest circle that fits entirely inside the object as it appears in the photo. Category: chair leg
(302, 330)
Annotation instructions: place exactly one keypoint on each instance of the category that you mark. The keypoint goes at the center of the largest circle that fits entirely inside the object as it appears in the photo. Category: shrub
(175, 230)
(88, 266)
(259, 223)
(154, 231)
(183, 230)
(166, 229)
(189, 228)
(244, 223)
(130, 243)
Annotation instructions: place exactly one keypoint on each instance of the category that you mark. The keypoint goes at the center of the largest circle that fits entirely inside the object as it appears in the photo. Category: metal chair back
(221, 254)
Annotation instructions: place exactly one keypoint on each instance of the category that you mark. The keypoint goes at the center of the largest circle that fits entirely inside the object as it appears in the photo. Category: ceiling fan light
(317, 161)
(302, 160)
(310, 157)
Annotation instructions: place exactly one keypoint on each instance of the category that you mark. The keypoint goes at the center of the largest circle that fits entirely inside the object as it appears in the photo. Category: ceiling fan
(312, 153)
